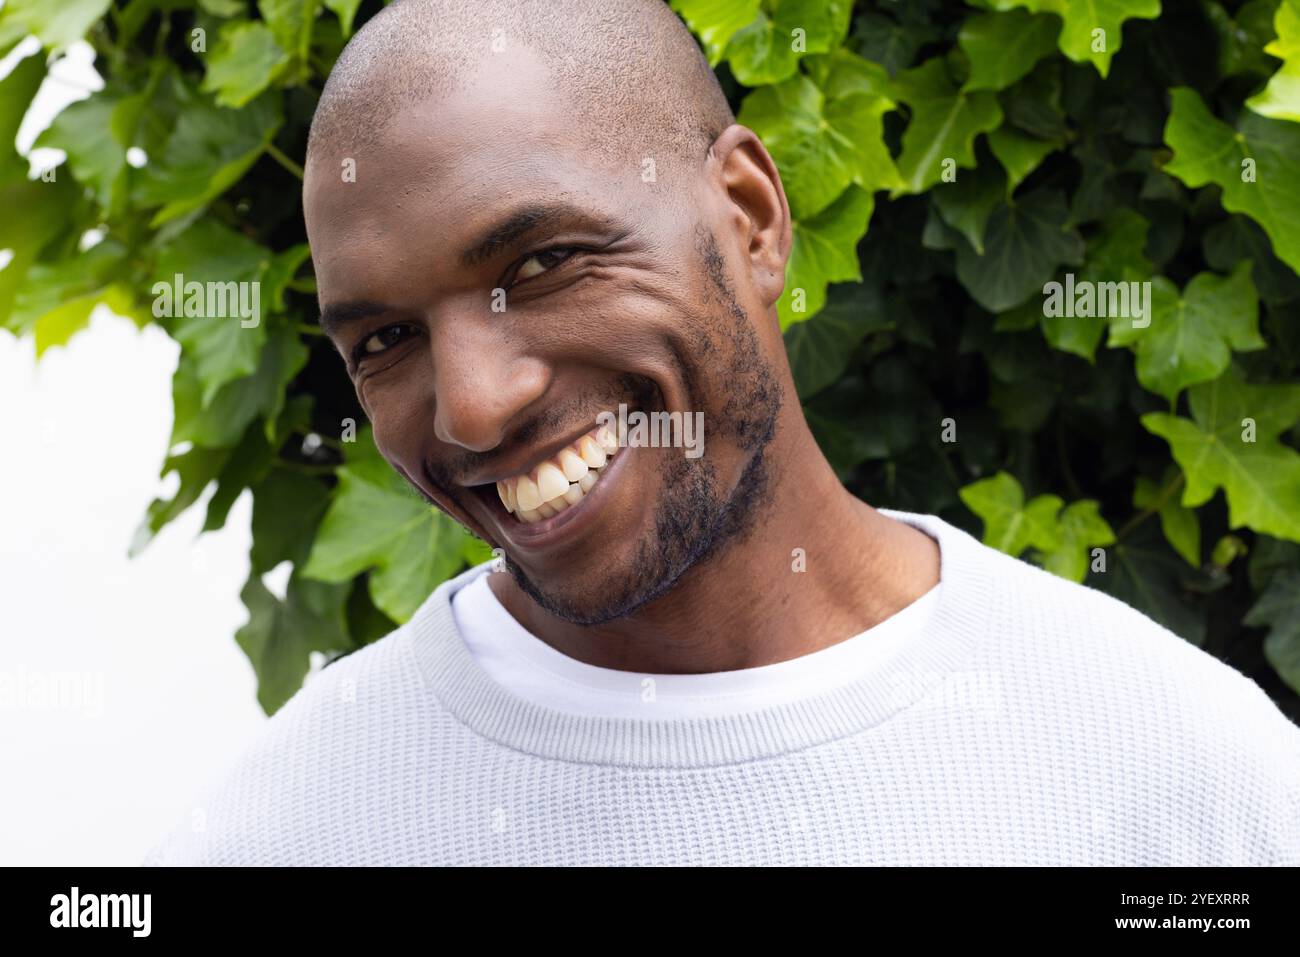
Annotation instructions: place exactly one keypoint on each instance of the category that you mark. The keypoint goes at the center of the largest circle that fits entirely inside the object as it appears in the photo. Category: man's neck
(817, 566)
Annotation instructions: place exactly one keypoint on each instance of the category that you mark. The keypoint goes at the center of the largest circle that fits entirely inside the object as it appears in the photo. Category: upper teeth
(560, 481)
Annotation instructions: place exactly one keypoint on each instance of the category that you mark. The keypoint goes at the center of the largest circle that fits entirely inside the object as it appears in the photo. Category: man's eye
(539, 263)
(383, 339)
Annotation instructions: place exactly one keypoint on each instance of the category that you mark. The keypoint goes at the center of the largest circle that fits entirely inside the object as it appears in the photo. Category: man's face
(615, 292)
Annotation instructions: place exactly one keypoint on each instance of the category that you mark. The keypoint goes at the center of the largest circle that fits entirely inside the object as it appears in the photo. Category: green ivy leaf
(1238, 237)
(280, 271)
(880, 417)
(1181, 527)
(376, 521)
(33, 217)
(220, 347)
(1025, 316)
(246, 61)
(763, 51)
(1278, 609)
(1142, 572)
(828, 134)
(56, 299)
(222, 421)
(35, 212)
(196, 469)
(1079, 39)
(475, 551)
(249, 461)
(824, 251)
(1243, 36)
(95, 133)
(945, 121)
(16, 92)
(346, 11)
(820, 349)
(1190, 338)
(1033, 105)
(1010, 524)
(1080, 528)
(1207, 150)
(209, 150)
(281, 635)
(1019, 153)
(56, 25)
(893, 45)
(967, 203)
(1004, 46)
(1280, 100)
(1269, 557)
(291, 23)
(715, 22)
(224, 8)
(1261, 478)
(1026, 240)
(1115, 254)
(287, 507)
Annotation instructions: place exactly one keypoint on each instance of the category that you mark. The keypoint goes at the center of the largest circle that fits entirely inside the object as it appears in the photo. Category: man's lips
(561, 480)
(565, 526)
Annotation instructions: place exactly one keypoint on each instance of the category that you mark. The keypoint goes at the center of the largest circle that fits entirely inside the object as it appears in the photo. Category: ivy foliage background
(943, 162)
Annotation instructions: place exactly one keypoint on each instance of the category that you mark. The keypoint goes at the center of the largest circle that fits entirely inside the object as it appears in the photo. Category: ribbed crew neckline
(470, 694)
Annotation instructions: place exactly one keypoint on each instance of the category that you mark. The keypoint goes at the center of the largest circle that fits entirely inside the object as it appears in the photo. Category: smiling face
(494, 287)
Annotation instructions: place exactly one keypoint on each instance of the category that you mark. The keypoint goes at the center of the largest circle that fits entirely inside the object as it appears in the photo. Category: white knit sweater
(1033, 722)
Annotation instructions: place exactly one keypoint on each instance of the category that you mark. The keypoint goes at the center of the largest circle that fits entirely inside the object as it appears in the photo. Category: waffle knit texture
(1032, 722)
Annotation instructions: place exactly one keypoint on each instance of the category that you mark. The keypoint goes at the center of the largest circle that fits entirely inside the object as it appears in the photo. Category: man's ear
(761, 212)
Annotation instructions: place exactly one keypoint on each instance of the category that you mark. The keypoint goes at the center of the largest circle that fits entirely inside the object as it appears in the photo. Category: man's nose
(482, 382)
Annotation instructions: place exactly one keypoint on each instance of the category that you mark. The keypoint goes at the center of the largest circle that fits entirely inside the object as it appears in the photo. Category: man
(716, 658)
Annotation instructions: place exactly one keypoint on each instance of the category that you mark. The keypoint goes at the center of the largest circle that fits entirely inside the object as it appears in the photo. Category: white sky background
(167, 697)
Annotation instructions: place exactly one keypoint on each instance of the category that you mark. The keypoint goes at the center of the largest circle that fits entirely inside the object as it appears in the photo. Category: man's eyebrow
(338, 314)
(517, 224)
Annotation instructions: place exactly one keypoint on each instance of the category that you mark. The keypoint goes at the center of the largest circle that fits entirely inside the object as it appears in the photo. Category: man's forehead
(501, 131)
(446, 170)
(441, 223)
(499, 95)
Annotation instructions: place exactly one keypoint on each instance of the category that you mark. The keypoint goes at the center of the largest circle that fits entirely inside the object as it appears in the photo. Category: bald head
(634, 81)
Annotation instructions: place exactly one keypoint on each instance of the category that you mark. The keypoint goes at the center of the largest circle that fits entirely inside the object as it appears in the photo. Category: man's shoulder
(349, 691)
(1038, 613)
(315, 756)
(1112, 671)
(1037, 618)
(1088, 682)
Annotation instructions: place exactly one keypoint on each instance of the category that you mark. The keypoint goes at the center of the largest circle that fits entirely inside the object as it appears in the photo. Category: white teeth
(572, 464)
(551, 482)
(526, 494)
(591, 453)
(562, 482)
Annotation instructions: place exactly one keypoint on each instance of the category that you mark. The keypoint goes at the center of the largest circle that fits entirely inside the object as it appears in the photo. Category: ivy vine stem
(1165, 495)
(279, 156)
